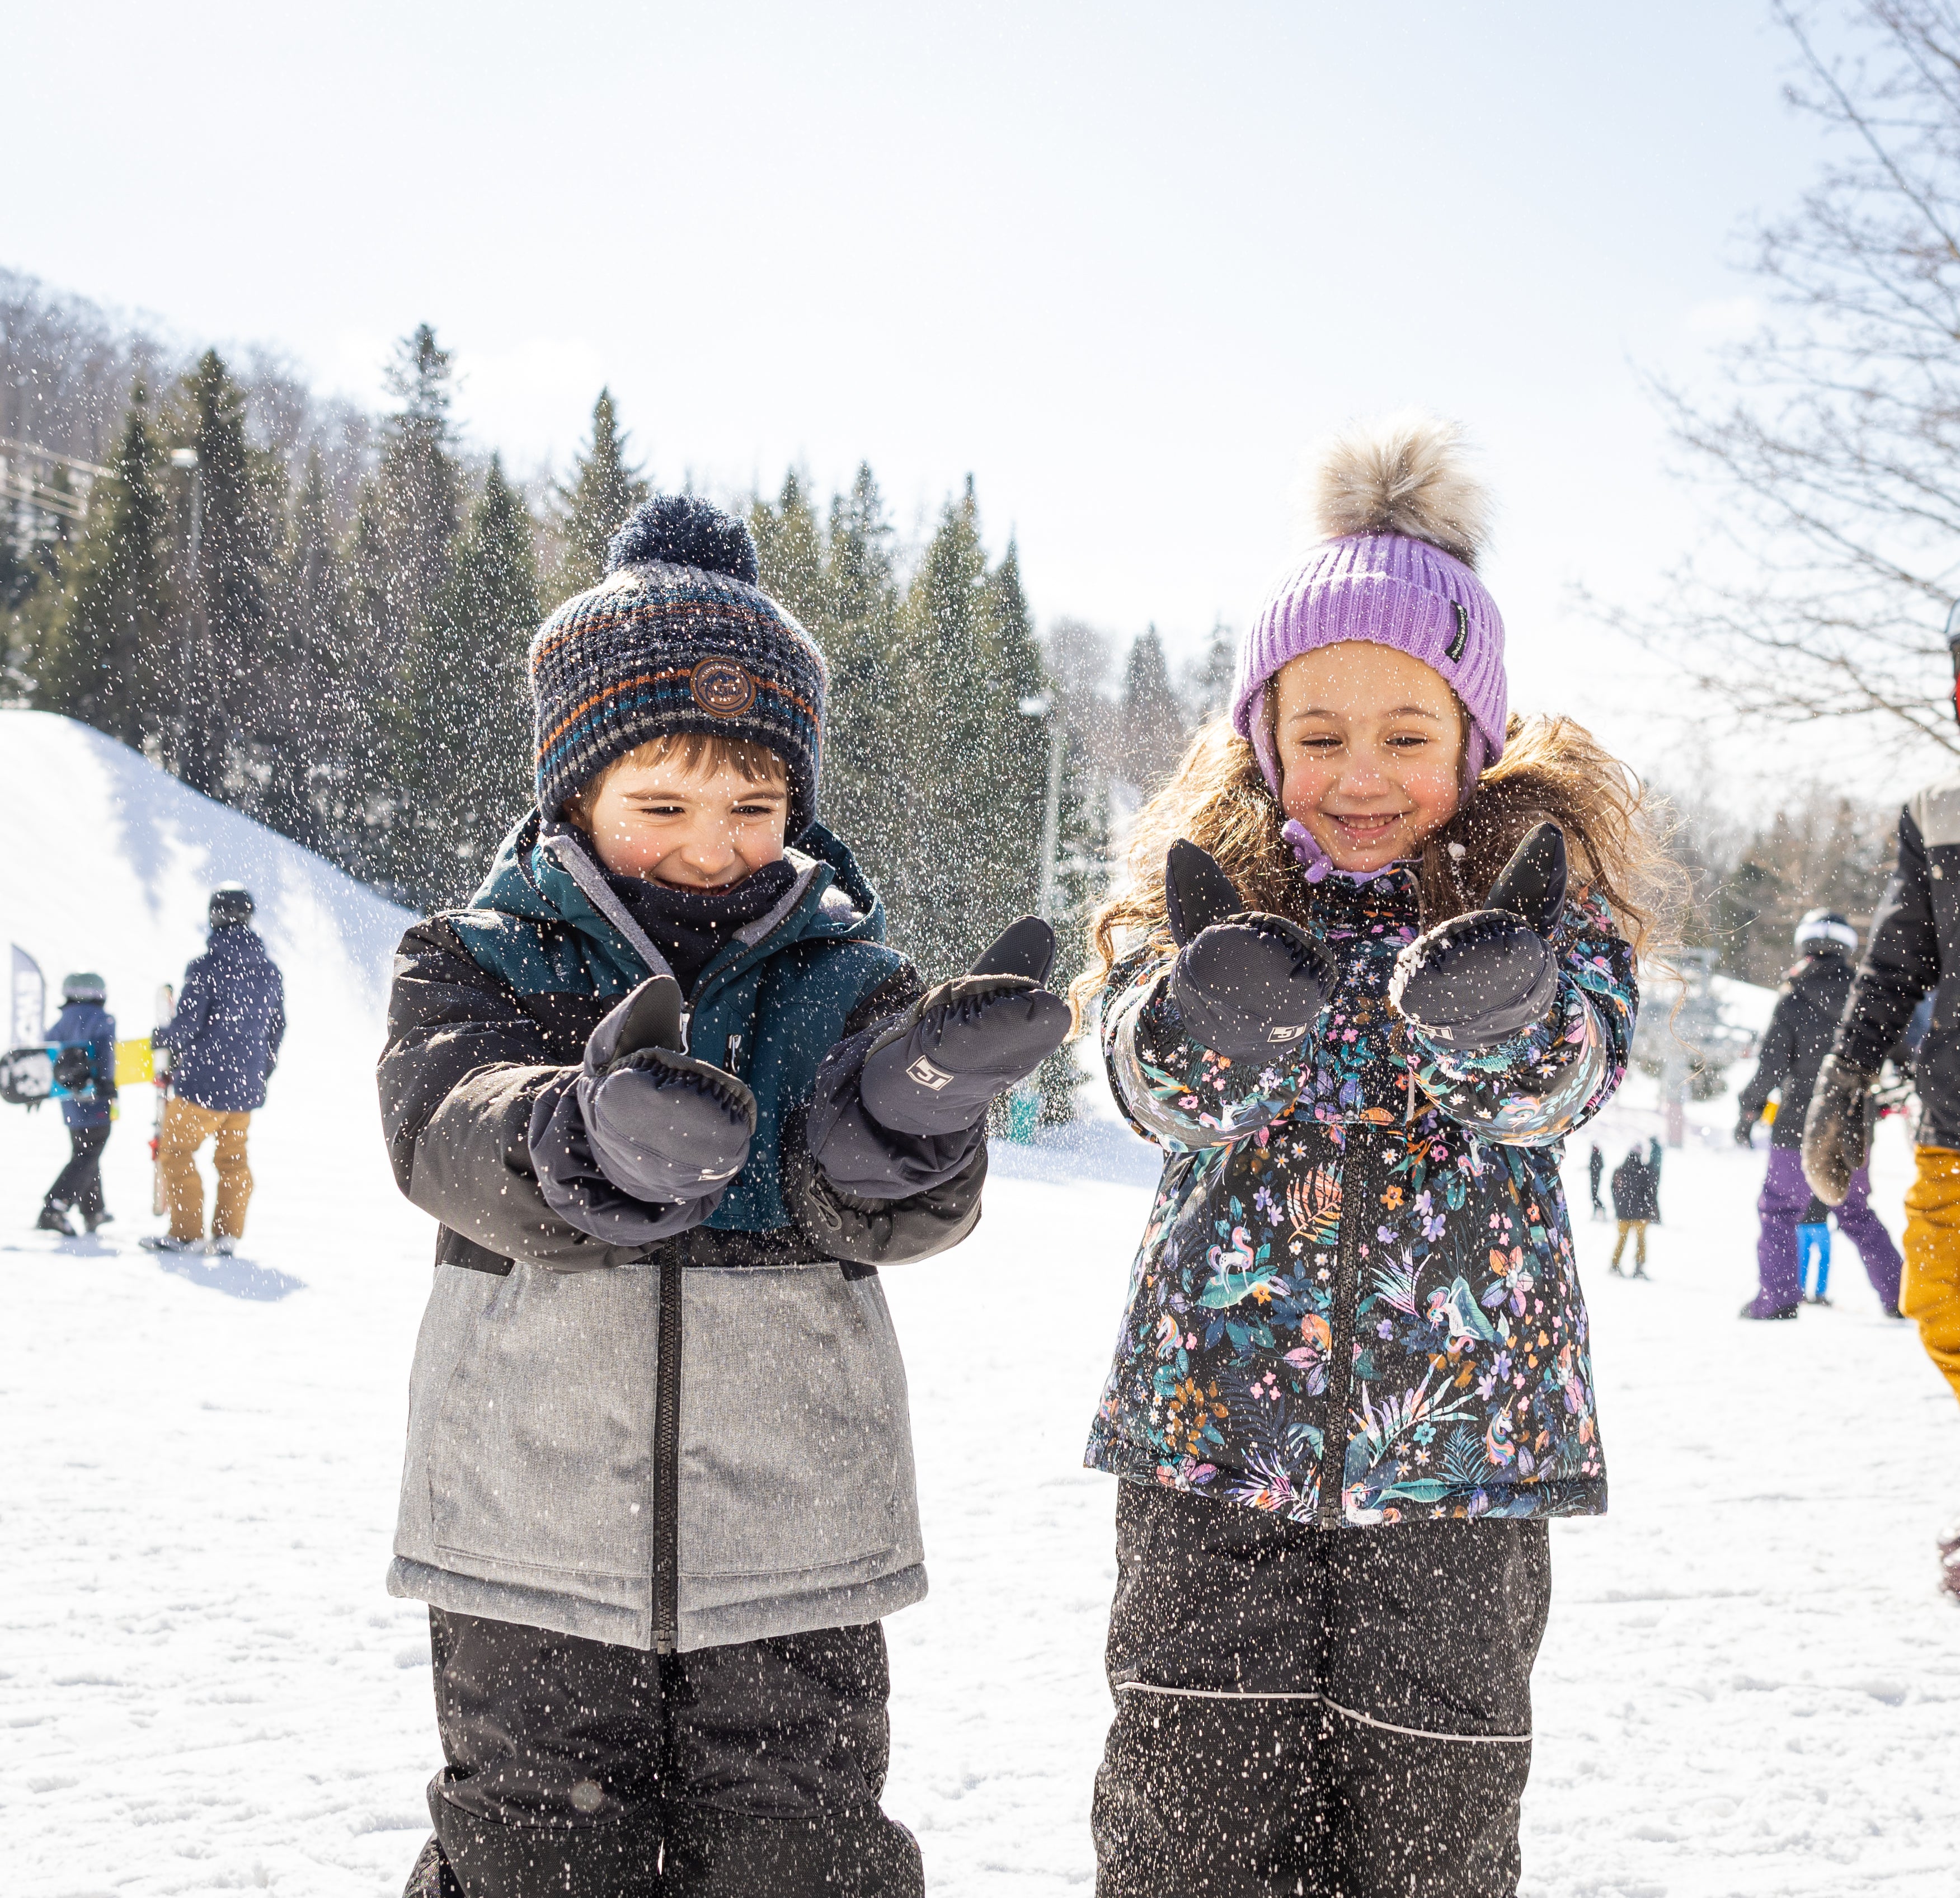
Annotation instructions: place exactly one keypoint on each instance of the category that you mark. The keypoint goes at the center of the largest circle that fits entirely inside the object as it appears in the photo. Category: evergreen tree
(863, 758)
(101, 652)
(471, 686)
(605, 488)
(1152, 721)
(1207, 678)
(311, 730)
(223, 706)
(973, 762)
(789, 545)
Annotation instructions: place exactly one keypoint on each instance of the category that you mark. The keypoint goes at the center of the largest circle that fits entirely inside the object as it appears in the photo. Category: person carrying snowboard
(1595, 1168)
(1359, 1001)
(224, 1043)
(1636, 1206)
(86, 1069)
(674, 1104)
(1912, 953)
(1808, 1007)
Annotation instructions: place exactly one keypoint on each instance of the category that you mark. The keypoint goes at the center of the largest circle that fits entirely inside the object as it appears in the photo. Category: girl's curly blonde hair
(1551, 768)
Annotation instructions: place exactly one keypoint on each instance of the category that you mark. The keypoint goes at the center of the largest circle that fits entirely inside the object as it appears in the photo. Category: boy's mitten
(1246, 982)
(664, 1128)
(934, 1070)
(1478, 979)
(1836, 1130)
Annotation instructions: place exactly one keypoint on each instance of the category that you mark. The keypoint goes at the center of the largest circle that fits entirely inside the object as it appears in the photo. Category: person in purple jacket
(1809, 1007)
(224, 1043)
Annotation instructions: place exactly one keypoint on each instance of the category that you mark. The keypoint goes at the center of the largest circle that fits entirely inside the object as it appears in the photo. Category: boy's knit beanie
(1401, 519)
(677, 638)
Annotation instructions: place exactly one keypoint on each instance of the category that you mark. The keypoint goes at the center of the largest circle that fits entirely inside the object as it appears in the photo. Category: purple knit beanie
(1401, 519)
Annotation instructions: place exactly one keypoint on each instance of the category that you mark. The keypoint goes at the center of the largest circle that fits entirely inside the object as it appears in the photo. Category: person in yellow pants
(187, 1127)
(1930, 1292)
(224, 1043)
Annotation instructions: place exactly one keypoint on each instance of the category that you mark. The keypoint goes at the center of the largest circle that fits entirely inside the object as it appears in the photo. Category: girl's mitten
(1245, 983)
(936, 1069)
(1836, 1130)
(1478, 979)
(664, 1128)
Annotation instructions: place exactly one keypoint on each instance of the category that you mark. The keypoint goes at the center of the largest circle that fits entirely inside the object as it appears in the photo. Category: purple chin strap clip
(1307, 853)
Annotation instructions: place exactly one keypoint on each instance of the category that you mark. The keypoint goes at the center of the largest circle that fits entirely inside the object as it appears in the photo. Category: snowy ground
(1749, 1685)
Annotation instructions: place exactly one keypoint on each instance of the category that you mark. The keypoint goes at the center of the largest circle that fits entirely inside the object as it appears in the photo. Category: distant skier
(1596, 1171)
(224, 1042)
(86, 1068)
(1636, 1205)
(1807, 1007)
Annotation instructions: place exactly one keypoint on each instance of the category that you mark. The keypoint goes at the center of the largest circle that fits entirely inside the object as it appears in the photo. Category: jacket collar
(547, 874)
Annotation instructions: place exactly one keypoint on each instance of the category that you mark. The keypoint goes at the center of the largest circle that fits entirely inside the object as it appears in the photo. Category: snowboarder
(674, 1104)
(224, 1043)
(1914, 951)
(1358, 1008)
(1813, 1254)
(1596, 1171)
(85, 1032)
(1798, 1038)
(1636, 1205)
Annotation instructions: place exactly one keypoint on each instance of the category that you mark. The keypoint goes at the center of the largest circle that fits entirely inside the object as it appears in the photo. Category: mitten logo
(927, 1076)
(1283, 1033)
(721, 687)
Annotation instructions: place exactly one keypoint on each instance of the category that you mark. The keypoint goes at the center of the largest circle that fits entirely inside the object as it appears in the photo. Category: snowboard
(160, 1075)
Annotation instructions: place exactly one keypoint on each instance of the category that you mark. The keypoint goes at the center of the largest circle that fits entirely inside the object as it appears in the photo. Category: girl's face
(1370, 745)
(695, 827)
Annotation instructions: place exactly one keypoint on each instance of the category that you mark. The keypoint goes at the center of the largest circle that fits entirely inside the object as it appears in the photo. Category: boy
(673, 1103)
(87, 1033)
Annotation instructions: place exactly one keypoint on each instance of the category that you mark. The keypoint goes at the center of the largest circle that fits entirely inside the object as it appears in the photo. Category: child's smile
(1370, 745)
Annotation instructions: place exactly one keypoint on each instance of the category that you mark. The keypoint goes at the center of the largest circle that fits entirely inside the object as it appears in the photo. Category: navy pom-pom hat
(677, 638)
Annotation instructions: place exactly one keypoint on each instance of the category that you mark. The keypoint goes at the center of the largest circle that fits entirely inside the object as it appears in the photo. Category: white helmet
(1826, 930)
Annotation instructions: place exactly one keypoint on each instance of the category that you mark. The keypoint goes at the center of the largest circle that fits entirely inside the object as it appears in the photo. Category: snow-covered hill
(1748, 1685)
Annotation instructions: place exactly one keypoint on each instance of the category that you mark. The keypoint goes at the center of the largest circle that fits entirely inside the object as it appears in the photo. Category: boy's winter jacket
(1914, 950)
(1809, 1007)
(1357, 1299)
(230, 1018)
(694, 1442)
(87, 1024)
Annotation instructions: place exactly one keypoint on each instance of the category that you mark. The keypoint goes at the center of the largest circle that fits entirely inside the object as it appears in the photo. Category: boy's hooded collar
(548, 874)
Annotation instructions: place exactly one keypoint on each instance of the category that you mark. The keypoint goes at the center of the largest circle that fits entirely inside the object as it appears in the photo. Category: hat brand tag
(1454, 651)
(722, 687)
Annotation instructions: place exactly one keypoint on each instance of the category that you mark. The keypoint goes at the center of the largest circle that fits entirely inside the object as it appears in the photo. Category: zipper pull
(1408, 1112)
(731, 1060)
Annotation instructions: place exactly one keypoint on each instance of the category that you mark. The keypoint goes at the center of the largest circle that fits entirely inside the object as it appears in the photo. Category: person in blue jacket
(86, 1067)
(224, 1043)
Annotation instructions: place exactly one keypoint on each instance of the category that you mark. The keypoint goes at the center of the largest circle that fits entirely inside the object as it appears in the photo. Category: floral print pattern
(1356, 1299)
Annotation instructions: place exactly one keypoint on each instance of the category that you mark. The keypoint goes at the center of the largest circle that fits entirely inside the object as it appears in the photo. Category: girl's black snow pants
(580, 1769)
(1337, 1713)
(79, 1183)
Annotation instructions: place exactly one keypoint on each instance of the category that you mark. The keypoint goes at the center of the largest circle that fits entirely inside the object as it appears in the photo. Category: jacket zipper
(1357, 1202)
(666, 1461)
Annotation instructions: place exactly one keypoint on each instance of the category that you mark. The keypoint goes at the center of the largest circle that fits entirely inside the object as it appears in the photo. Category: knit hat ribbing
(1403, 520)
(676, 638)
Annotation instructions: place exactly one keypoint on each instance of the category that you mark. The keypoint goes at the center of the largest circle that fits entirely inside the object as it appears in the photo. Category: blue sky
(1123, 263)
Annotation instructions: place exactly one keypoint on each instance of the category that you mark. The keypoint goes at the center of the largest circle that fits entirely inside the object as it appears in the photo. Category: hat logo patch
(721, 687)
(1461, 637)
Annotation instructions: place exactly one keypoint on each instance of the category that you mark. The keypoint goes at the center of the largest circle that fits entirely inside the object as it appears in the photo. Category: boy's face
(693, 827)
(1370, 744)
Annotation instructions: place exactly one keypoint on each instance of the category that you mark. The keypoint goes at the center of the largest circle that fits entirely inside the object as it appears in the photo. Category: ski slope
(1749, 1685)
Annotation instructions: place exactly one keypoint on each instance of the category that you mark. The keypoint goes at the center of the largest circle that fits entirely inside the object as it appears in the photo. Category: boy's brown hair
(694, 751)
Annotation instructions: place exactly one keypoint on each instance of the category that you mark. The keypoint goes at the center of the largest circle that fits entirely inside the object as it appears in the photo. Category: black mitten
(1479, 980)
(936, 1069)
(664, 1128)
(1245, 983)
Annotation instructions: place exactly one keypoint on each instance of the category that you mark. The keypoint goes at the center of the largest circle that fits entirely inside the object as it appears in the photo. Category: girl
(1352, 1380)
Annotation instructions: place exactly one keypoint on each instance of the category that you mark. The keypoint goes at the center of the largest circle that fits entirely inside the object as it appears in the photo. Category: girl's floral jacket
(1356, 1299)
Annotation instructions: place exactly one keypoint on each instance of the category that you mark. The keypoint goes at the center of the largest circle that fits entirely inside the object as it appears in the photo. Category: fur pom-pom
(685, 531)
(1403, 474)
